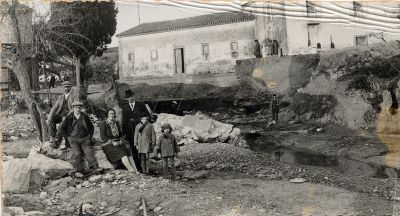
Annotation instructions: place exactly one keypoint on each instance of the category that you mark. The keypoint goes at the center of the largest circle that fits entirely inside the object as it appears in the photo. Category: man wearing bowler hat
(131, 116)
(78, 129)
(61, 108)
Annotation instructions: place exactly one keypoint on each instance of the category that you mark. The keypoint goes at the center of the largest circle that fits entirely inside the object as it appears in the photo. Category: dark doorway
(275, 47)
(179, 61)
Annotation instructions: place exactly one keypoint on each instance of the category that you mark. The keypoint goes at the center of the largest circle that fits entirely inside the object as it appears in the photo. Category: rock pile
(200, 128)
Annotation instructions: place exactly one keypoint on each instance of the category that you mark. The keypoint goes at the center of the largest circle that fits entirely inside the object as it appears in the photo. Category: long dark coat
(131, 118)
(66, 126)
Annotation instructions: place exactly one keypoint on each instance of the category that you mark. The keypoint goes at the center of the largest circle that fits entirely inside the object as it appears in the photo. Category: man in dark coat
(274, 108)
(131, 116)
(257, 49)
(78, 129)
(61, 108)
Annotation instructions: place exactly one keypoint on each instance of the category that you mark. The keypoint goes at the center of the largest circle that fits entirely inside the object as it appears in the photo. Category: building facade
(208, 44)
(304, 27)
(211, 44)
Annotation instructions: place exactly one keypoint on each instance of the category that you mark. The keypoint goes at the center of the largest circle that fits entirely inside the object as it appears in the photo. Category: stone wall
(279, 74)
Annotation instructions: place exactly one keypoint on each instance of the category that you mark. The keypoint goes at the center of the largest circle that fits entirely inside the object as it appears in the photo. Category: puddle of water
(338, 164)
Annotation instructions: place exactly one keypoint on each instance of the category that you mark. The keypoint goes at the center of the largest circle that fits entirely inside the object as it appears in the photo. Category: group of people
(129, 144)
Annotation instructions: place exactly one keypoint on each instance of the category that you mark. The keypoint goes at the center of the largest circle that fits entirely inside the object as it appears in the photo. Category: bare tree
(20, 54)
(41, 47)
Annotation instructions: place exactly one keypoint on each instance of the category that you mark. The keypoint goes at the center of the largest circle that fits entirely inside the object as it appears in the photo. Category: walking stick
(144, 207)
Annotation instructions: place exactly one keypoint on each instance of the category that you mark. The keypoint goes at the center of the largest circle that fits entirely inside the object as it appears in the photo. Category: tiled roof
(187, 23)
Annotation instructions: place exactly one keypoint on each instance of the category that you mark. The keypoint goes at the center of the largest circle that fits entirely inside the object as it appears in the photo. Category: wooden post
(35, 73)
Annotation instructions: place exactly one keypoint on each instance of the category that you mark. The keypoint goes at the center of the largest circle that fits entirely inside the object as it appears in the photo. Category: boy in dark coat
(168, 148)
(145, 140)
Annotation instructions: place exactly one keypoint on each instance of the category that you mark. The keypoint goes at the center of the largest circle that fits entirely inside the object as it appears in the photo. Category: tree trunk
(35, 74)
(78, 73)
(84, 75)
(20, 68)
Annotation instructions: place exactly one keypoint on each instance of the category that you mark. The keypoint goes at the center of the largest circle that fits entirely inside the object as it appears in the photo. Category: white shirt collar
(132, 105)
(66, 95)
(77, 116)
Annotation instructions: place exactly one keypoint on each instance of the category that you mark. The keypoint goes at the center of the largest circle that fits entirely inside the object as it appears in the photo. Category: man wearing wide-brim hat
(78, 129)
(61, 108)
(131, 116)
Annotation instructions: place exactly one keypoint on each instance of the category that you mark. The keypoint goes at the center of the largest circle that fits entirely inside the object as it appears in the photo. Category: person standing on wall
(274, 105)
(257, 49)
(131, 116)
(52, 81)
(60, 110)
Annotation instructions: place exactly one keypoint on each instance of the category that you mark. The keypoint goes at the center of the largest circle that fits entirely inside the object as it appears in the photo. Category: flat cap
(66, 83)
(77, 103)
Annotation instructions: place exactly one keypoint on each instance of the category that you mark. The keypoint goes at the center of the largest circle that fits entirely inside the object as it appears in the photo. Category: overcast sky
(127, 16)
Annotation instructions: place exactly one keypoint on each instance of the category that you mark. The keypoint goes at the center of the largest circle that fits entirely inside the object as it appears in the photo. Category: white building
(212, 43)
(207, 44)
(300, 27)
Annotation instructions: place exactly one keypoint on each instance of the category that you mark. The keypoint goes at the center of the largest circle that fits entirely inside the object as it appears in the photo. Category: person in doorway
(168, 148)
(52, 81)
(78, 129)
(145, 140)
(60, 110)
(115, 148)
(131, 114)
(274, 105)
(257, 49)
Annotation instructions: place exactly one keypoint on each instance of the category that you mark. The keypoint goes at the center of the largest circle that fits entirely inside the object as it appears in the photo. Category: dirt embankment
(363, 82)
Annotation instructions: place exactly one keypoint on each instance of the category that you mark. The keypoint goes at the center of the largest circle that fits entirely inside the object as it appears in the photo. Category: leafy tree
(85, 32)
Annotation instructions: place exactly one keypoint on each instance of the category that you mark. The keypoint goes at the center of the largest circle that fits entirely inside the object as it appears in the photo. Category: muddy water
(338, 164)
(334, 163)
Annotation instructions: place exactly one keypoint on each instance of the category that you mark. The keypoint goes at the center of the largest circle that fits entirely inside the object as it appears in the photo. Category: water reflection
(338, 164)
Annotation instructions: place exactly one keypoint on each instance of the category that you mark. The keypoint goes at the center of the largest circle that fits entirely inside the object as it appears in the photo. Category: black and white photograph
(200, 108)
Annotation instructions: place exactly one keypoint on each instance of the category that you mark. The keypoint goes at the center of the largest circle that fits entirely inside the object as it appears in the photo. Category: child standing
(144, 141)
(168, 147)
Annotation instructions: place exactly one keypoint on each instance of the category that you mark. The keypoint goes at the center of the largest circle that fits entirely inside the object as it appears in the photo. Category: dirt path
(241, 182)
(225, 194)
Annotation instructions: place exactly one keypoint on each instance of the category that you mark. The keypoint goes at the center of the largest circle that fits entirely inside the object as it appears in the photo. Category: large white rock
(21, 175)
(14, 210)
(16, 175)
(51, 168)
(198, 127)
